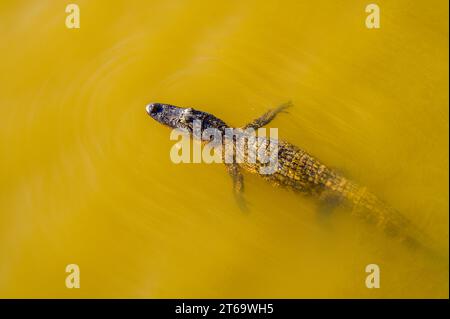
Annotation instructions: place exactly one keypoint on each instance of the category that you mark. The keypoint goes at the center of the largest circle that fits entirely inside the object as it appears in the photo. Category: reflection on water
(87, 179)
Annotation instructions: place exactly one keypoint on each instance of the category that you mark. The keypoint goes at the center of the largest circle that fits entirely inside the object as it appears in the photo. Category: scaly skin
(299, 171)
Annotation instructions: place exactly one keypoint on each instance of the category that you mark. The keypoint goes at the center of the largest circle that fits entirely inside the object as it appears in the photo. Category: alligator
(299, 171)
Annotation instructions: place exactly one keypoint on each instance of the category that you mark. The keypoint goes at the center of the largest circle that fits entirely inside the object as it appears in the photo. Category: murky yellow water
(86, 176)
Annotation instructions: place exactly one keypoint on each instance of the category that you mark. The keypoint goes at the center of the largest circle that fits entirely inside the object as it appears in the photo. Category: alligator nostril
(155, 108)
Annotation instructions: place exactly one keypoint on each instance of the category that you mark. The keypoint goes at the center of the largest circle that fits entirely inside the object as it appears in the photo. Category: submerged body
(298, 171)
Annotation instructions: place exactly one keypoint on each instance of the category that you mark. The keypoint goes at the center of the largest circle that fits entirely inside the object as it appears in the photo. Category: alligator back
(301, 172)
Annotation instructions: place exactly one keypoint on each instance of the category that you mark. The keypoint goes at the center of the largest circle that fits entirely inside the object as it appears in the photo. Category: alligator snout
(153, 108)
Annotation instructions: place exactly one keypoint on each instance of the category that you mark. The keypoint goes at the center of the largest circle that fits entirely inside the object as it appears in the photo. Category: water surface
(86, 176)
